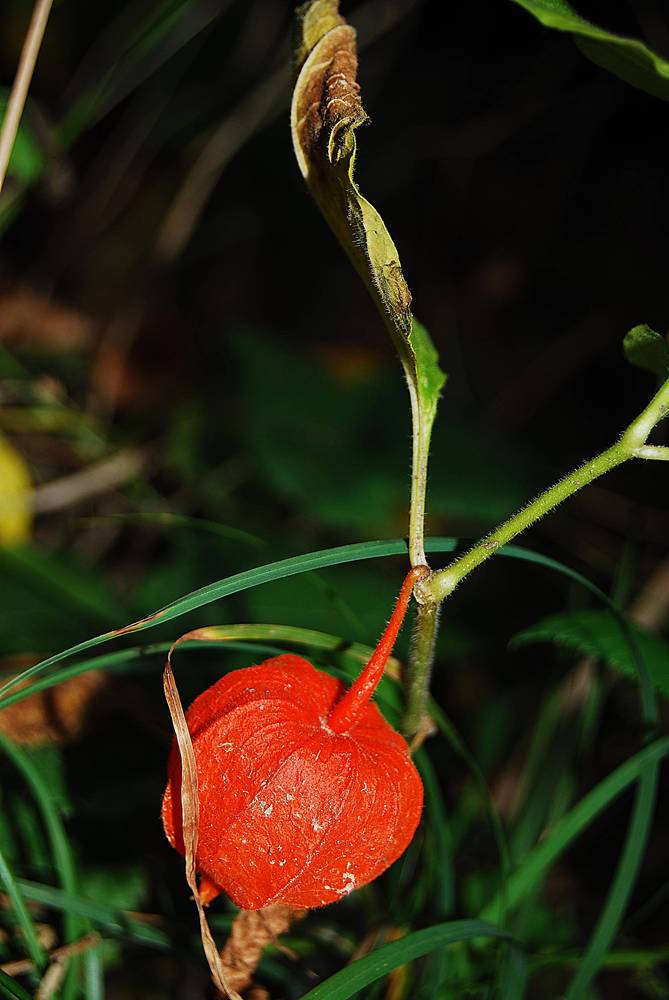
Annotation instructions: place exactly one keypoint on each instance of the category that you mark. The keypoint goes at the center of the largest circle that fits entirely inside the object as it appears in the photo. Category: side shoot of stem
(632, 444)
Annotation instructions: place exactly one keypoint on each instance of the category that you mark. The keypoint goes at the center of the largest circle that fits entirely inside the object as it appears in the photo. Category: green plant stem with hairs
(431, 591)
(426, 628)
(632, 444)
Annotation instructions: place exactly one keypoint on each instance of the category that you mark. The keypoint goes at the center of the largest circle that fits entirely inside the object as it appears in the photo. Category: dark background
(243, 364)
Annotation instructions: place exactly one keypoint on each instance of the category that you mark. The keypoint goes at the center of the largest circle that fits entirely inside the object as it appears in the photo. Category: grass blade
(60, 846)
(10, 988)
(23, 918)
(533, 868)
(280, 570)
(63, 858)
(116, 922)
(383, 960)
(623, 883)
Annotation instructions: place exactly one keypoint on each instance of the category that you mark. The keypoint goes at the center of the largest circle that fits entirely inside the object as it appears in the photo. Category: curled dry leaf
(326, 110)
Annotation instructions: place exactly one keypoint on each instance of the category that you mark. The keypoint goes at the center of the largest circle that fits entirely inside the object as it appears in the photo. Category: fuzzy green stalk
(632, 444)
(419, 670)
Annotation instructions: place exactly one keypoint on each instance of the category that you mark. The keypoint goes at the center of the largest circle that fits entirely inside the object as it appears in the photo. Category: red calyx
(306, 792)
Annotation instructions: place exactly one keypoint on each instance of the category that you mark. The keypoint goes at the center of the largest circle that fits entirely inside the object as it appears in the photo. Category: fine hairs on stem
(631, 444)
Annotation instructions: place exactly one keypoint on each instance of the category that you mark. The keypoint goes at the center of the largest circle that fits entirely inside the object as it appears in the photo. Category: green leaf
(383, 960)
(430, 378)
(627, 58)
(647, 349)
(596, 634)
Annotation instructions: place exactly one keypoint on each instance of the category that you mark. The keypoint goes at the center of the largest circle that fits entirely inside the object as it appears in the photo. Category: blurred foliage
(193, 384)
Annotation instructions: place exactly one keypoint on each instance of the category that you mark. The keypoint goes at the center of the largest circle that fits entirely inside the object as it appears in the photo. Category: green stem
(632, 444)
(420, 667)
(421, 432)
(654, 452)
(421, 656)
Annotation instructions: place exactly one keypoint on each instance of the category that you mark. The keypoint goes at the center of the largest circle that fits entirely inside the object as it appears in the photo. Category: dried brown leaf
(190, 807)
(252, 931)
(57, 715)
(326, 111)
(27, 315)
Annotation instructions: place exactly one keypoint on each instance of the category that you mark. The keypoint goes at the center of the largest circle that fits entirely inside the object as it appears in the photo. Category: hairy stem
(420, 667)
(421, 655)
(632, 444)
(422, 422)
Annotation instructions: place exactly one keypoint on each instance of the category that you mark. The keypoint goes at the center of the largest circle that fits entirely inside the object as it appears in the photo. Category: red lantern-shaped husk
(306, 792)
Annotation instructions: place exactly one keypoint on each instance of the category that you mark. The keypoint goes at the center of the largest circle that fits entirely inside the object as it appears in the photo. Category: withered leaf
(326, 110)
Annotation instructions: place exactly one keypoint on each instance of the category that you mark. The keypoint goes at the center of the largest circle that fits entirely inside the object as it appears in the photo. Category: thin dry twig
(92, 481)
(24, 73)
(58, 955)
(190, 809)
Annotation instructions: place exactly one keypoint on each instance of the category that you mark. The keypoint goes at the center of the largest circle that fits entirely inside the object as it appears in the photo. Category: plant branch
(632, 444)
(420, 668)
(421, 422)
(24, 73)
(653, 452)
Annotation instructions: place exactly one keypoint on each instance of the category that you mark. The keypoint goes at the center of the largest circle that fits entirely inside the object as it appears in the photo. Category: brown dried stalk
(190, 808)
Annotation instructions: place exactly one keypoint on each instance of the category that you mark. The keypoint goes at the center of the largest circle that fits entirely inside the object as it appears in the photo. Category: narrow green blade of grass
(563, 834)
(448, 730)
(10, 988)
(623, 882)
(383, 960)
(280, 570)
(23, 919)
(443, 892)
(63, 858)
(94, 974)
(168, 519)
(224, 588)
(115, 921)
(514, 977)
(122, 659)
(628, 958)
(638, 830)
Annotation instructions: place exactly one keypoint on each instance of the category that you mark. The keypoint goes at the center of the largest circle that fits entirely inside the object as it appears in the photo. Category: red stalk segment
(348, 709)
